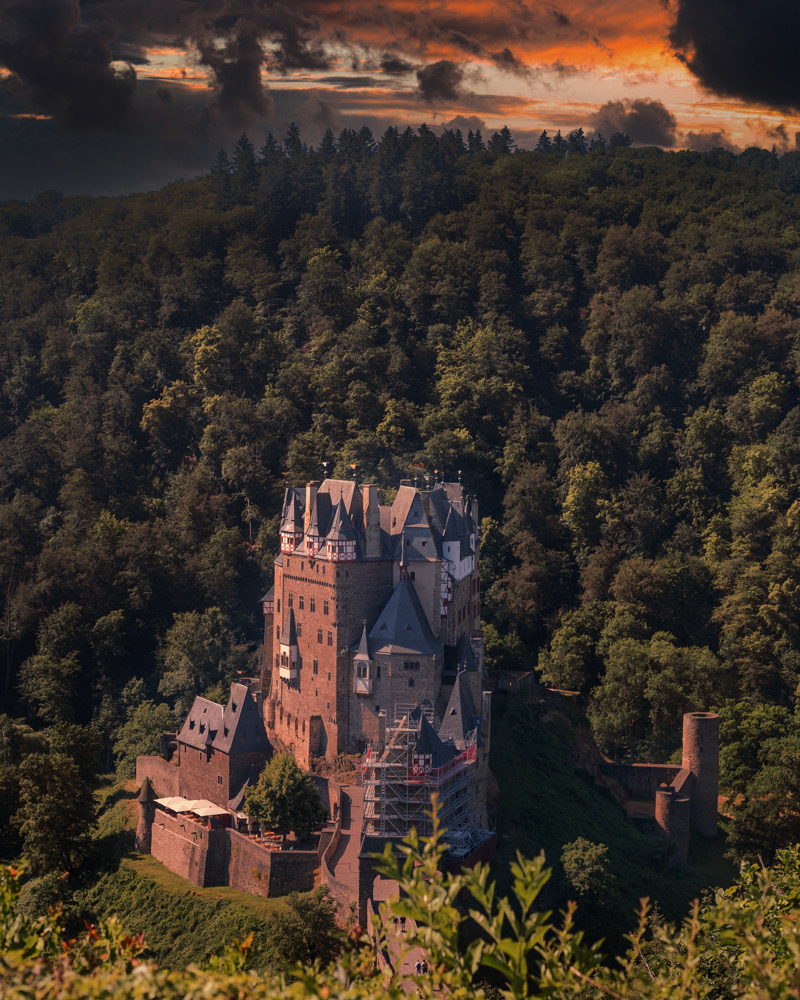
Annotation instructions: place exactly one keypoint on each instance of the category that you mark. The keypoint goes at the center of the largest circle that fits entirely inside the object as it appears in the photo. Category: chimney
(311, 497)
(372, 522)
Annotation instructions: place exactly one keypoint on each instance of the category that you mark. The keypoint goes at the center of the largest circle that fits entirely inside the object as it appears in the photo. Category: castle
(372, 646)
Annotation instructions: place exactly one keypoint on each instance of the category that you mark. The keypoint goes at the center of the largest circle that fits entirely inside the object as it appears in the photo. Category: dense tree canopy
(603, 340)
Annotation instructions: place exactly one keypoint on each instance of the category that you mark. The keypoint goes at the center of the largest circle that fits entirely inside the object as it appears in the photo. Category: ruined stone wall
(164, 775)
(641, 780)
(673, 818)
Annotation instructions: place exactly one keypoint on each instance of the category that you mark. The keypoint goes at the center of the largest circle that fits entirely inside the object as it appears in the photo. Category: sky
(115, 96)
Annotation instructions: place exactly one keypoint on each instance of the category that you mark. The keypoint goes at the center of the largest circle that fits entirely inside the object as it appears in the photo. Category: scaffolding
(398, 785)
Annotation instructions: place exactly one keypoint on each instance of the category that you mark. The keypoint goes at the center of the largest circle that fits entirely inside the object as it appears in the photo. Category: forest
(602, 342)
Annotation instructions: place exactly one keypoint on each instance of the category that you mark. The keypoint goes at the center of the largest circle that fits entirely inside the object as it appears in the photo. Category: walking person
(402, 925)
(418, 967)
(396, 923)
(424, 967)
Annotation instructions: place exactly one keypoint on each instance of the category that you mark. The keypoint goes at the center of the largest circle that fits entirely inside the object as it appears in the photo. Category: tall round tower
(147, 811)
(701, 757)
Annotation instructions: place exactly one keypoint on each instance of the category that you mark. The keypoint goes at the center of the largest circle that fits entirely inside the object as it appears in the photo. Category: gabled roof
(345, 489)
(201, 724)
(416, 543)
(459, 717)
(402, 626)
(270, 594)
(233, 728)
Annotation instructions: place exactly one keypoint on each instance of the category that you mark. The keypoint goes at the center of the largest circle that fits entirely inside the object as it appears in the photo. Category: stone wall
(226, 857)
(641, 780)
(164, 776)
(182, 846)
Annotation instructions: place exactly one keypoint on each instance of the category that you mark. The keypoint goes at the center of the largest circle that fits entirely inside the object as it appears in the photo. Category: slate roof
(341, 530)
(460, 657)
(345, 489)
(237, 801)
(402, 626)
(233, 728)
(289, 630)
(270, 594)
(146, 793)
(320, 515)
(362, 653)
(460, 717)
(427, 742)
(292, 514)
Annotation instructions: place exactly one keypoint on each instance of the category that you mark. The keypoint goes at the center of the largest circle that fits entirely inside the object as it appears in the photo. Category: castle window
(291, 600)
(301, 601)
(325, 607)
(299, 630)
(277, 631)
(329, 675)
(413, 575)
(312, 604)
(279, 605)
(411, 665)
(330, 637)
(377, 671)
(411, 682)
(316, 666)
(319, 635)
(219, 779)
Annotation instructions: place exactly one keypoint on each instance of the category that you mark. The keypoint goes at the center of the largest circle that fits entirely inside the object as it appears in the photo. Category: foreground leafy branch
(743, 943)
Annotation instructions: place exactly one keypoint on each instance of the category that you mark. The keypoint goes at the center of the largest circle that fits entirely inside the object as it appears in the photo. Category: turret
(147, 811)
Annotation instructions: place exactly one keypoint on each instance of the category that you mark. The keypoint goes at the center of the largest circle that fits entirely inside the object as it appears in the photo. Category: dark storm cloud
(395, 66)
(647, 122)
(351, 82)
(237, 68)
(742, 48)
(441, 81)
(66, 64)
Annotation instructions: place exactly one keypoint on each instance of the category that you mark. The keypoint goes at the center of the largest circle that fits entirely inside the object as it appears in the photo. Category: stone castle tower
(369, 612)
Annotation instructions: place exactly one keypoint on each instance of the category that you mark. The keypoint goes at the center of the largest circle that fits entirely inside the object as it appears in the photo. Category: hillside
(603, 346)
(546, 802)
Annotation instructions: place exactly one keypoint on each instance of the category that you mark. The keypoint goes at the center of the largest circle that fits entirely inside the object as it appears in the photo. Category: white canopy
(178, 804)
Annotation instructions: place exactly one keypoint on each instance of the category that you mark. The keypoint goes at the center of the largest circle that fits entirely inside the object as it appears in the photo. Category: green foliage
(56, 812)
(744, 942)
(285, 799)
(138, 735)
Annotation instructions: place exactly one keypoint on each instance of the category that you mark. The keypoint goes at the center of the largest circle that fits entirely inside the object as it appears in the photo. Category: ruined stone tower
(701, 757)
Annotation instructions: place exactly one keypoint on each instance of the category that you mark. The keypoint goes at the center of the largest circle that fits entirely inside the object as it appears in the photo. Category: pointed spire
(363, 646)
(289, 634)
(341, 530)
